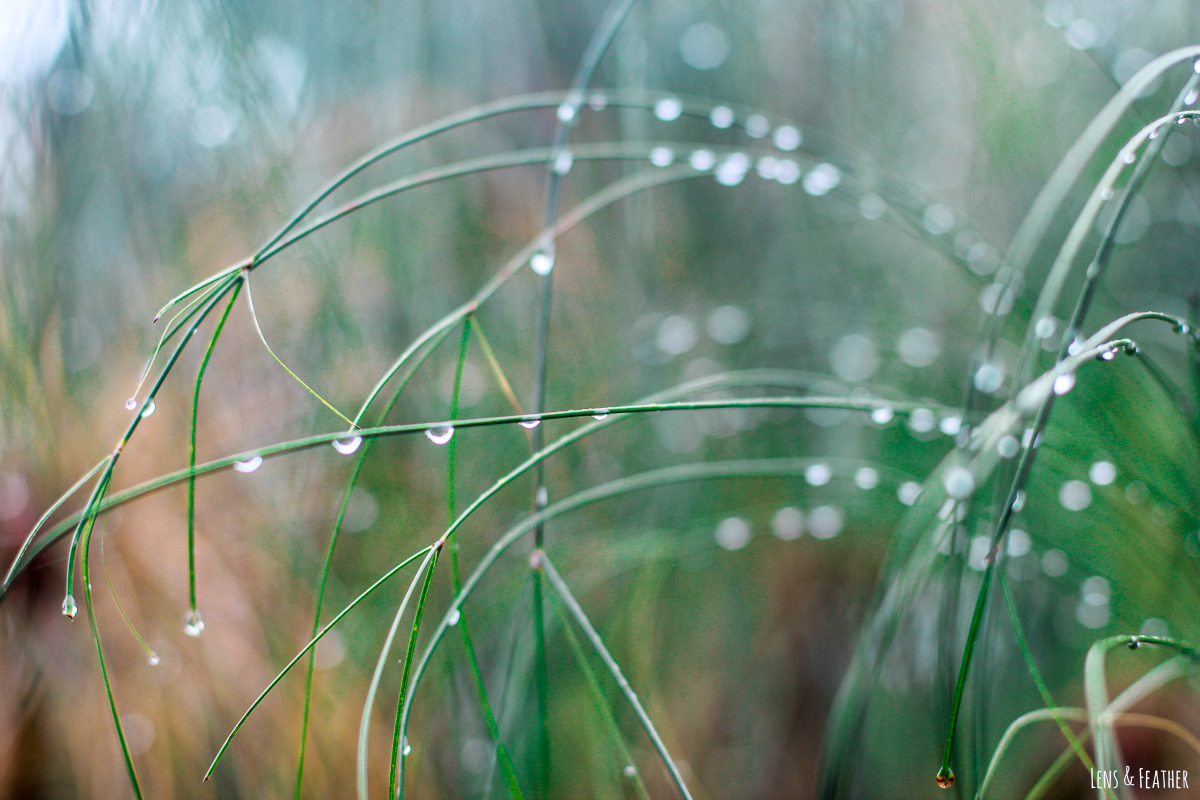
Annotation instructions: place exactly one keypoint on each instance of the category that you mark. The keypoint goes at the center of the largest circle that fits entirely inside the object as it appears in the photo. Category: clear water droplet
(950, 426)
(69, 607)
(1108, 355)
(440, 434)
(1153, 134)
(1196, 66)
(721, 117)
(945, 777)
(566, 112)
(702, 160)
(787, 137)
(1064, 383)
(1106, 193)
(562, 164)
(1191, 97)
(1019, 500)
(959, 483)
(629, 771)
(543, 497)
(601, 413)
(662, 156)
(193, 623)
(757, 126)
(988, 378)
(131, 404)
(598, 102)
(249, 465)
(407, 747)
(668, 109)
(347, 446)
(149, 408)
(1075, 346)
(881, 415)
(1182, 328)
(1008, 446)
(1180, 120)
(153, 659)
(530, 424)
(1129, 157)
(454, 617)
(1045, 327)
(542, 262)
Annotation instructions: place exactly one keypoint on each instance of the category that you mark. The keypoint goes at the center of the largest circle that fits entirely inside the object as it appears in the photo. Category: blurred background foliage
(145, 145)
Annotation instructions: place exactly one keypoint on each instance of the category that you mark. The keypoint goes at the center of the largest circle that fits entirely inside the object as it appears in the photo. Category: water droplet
(1129, 157)
(598, 102)
(1191, 97)
(1045, 327)
(733, 533)
(1108, 355)
(601, 413)
(733, 169)
(1196, 66)
(629, 771)
(702, 160)
(249, 465)
(1019, 500)
(721, 117)
(542, 499)
(866, 478)
(1134, 642)
(1102, 473)
(908, 492)
(1008, 446)
(787, 137)
(788, 523)
(1075, 346)
(757, 126)
(988, 378)
(193, 624)
(530, 424)
(881, 415)
(407, 746)
(668, 109)
(562, 164)
(945, 777)
(767, 167)
(1074, 495)
(823, 179)
(69, 607)
(440, 434)
(950, 426)
(818, 475)
(454, 617)
(1106, 193)
(787, 171)
(662, 156)
(1064, 383)
(959, 483)
(1182, 328)
(131, 404)
(1153, 134)
(566, 112)
(148, 409)
(542, 262)
(153, 659)
(347, 446)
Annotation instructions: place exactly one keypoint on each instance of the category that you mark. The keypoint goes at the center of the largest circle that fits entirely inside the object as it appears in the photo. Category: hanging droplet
(543, 497)
(566, 112)
(347, 446)
(530, 424)
(1134, 643)
(149, 409)
(721, 117)
(1108, 355)
(662, 156)
(1180, 120)
(1008, 446)
(69, 607)
(407, 747)
(1191, 97)
(131, 404)
(1196, 66)
(1129, 157)
(193, 624)
(945, 777)
(1106, 193)
(440, 434)
(454, 617)
(1063, 383)
(542, 261)
(1182, 328)
(1154, 133)
(881, 415)
(668, 109)
(153, 659)
(702, 160)
(601, 413)
(249, 465)
(562, 164)
(629, 771)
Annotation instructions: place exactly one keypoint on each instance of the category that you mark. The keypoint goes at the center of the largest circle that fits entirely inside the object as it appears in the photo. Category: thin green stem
(945, 775)
(399, 751)
(191, 509)
(568, 599)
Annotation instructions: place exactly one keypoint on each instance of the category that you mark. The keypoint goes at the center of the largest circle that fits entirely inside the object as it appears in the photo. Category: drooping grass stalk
(945, 774)
(398, 735)
(601, 704)
(263, 339)
(568, 599)
(91, 612)
(311, 644)
(327, 565)
(191, 508)
(112, 591)
(364, 726)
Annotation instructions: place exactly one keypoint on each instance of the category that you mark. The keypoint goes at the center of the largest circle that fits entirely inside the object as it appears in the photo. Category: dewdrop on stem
(347, 446)
(601, 413)
(945, 777)
(131, 404)
(454, 617)
(440, 434)
(153, 659)
(193, 624)
(149, 409)
(69, 607)
(249, 465)
(542, 262)
(530, 424)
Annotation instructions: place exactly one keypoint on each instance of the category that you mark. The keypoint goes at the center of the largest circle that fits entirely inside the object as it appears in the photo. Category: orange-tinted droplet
(945, 777)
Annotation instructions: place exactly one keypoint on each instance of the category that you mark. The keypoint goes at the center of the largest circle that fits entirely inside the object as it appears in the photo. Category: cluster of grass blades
(958, 563)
